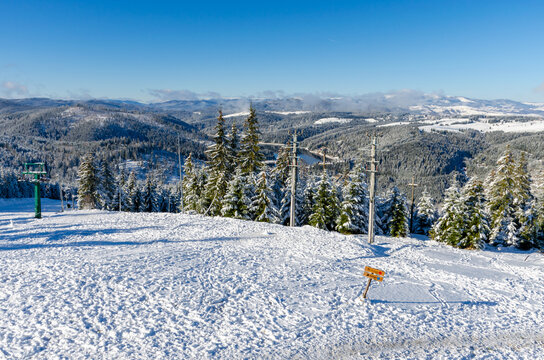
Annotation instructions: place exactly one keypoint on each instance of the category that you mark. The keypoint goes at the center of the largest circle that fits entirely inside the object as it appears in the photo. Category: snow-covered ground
(243, 113)
(332, 120)
(93, 284)
(297, 112)
(536, 125)
(533, 124)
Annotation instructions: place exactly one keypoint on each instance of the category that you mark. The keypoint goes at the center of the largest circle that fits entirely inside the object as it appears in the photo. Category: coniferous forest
(130, 163)
(235, 182)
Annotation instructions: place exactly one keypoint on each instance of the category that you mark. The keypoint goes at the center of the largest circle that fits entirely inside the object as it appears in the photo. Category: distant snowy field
(533, 124)
(99, 285)
(332, 120)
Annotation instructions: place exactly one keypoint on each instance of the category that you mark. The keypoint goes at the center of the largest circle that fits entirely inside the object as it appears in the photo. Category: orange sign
(374, 274)
(375, 271)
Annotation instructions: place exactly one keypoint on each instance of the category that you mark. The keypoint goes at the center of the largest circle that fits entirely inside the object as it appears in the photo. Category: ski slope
(93, 284)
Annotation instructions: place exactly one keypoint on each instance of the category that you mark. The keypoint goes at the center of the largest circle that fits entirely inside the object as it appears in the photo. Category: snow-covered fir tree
(353, 217)
(472, 218)
(525, 202)
(326, 207)
(446, 228)
(162, 194)
(107, 189)
(250, 190)
(175, 202)
(148, 195)
(191, 187)
(262, 206)
(281, 173)
(120, 181)
(88, 184)
(250, 153)
(132, 194)
(218, 169)
(397, 220)
(308, 200)
(234, 147)
(539, 215)
(235, 203)
(425, 214)
(509, 203)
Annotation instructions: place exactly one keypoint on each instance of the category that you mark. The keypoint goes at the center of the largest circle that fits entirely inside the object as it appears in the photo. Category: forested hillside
(60, 132)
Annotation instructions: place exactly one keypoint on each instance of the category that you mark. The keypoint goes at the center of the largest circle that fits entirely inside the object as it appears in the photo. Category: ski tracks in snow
(108, 285)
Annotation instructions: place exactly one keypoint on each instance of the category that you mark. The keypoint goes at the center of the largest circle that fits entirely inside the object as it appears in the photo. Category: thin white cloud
(12, 89)
(169, 94)
(80, 94)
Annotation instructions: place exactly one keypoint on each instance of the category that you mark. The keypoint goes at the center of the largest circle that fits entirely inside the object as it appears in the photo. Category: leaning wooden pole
(367, 287)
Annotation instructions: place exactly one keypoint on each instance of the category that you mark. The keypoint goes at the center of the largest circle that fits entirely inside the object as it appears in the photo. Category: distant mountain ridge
(427, 135)
(406, 101)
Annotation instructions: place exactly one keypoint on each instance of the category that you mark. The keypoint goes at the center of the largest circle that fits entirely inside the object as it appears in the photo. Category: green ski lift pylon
(38, 170)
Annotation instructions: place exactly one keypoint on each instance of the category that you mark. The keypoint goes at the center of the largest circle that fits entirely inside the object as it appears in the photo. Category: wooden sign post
(372, 274)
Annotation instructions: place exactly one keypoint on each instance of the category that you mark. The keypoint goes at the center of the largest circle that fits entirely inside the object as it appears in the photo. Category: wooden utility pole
(180, 180)
(413, 185)
(372, 190)
(324, 158)
(292, 221)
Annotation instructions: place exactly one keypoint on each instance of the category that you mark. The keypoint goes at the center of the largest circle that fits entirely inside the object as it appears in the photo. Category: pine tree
(234, 148)
(107, 189)
(308, 200)
(218, 169)
(523, 198)
(282, 170)
(425, 214)
(148, 195)
(120, 191)
(162, 198)
(509, 203)
(472, 218)
(262, 206)
(88, 182)
(446, 229)
(235, 203)
(250, 153)
(191, 188)
(353, 217)
(138, 200)
(132, 199)
(539, 215)
(326, 208)
(398, 214)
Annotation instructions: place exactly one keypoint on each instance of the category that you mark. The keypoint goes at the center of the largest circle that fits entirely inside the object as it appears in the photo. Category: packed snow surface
(99, 285)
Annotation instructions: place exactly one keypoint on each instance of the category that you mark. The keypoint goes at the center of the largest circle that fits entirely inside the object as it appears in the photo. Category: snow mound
(94, 284)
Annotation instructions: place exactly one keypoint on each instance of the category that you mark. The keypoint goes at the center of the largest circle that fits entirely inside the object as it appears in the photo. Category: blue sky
(160, 50)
